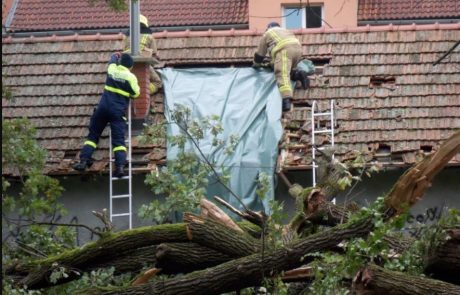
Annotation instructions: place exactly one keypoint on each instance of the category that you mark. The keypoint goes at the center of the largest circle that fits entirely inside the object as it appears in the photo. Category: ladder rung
(120, 178)
(121, 196)
(322, 114)
(121, 214)
(127, 159)
(323, 131)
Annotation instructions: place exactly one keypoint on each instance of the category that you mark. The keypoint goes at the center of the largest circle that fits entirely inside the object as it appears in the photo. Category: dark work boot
(303, 77)
(82, 165)
(119, 172)
(286, 104)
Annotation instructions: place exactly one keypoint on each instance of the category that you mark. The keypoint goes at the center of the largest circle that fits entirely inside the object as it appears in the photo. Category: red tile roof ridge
(252, 32)
(55, 38)
(233, 32)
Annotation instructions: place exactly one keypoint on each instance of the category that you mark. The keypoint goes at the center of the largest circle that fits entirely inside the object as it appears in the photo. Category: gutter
(408, 21)
(123, 30)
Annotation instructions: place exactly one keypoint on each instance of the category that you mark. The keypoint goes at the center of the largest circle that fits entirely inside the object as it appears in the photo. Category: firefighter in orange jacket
(285, 53)
(120, 86)
(149, 46)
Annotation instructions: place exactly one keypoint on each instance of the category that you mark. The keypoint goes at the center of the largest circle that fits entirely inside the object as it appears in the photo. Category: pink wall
(337, 13)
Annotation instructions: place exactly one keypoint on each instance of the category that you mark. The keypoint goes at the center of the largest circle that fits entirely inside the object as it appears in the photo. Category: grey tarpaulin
(249, 105)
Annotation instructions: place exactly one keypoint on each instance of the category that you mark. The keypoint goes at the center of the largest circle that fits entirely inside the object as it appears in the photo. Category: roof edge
(233, 32)
(74, 37)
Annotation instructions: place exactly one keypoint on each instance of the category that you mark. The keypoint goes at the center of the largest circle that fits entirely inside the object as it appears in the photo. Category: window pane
(313, 14)
(293, 18)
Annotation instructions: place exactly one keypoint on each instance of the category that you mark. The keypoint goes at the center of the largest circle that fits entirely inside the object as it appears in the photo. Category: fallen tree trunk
(443, 263)
(216, 236)
(129, 261)
(251, 270)
(99, 252)
(376, 280)
(175, 258)
(411, 186)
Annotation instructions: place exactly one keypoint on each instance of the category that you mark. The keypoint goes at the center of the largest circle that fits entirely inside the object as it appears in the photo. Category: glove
(117, 54)
(286, 104)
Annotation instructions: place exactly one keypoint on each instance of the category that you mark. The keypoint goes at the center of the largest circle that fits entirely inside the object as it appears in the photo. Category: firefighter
(148, 46)
(285, 53)
(120, 86)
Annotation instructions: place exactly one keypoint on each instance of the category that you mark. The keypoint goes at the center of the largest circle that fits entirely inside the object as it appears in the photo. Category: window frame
(303, 14)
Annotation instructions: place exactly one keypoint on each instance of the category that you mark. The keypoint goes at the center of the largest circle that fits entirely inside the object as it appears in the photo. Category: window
(302, 17)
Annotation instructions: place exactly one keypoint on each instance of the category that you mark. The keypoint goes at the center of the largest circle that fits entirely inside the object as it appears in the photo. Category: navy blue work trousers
(111, 111)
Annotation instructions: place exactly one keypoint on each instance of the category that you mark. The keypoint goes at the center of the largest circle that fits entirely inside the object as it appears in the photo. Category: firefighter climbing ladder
(128, 178)
(316, 118)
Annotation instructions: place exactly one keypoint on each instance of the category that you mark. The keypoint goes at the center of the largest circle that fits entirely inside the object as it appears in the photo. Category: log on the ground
(103, 250)
(216, 236)
(175, 258)
(379, 281)
(411, 186)
(443, 263)
(250, 270)
(129, 261)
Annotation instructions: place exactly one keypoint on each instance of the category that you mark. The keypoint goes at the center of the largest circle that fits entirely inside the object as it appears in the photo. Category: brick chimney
(141, 105)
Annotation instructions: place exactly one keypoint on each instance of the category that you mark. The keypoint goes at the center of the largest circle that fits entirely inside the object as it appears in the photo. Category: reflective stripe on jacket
(274, 40)
(121, 81)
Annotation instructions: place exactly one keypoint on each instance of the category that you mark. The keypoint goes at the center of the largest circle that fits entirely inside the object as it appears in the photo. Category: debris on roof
(57, 81)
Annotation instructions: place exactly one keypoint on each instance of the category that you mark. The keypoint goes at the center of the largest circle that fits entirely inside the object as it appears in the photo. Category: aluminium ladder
(127, 178)
(316, 128)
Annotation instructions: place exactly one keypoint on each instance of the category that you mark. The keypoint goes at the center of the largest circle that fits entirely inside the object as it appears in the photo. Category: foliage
(103, 278)
(115, 5)
(338, 175)
(332, 270)
(412, 260)
(184, 180)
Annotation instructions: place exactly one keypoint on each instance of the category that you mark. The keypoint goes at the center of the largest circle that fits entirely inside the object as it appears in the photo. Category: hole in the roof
(70, 154)
(382, 82)
(319, 64)
(383, 149)
(426, 148)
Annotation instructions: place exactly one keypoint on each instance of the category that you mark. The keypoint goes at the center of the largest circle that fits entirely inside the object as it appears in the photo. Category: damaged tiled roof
(408, 9)
(391, 100)
(43, 15)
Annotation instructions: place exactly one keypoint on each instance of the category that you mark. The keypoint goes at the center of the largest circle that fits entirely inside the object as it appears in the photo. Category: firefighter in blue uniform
(120, 86)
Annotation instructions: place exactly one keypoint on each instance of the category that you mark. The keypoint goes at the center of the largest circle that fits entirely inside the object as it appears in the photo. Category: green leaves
(185, 180)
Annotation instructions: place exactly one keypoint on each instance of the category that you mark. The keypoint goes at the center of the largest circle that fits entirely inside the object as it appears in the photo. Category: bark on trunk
(249, 271)
(100, 252)
(411, 186)
(219, 237)
(444, 262)
(375, 280)
(176, 258)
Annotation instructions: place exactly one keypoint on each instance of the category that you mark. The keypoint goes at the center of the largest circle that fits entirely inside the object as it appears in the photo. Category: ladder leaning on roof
(316, 128)
(127, 178)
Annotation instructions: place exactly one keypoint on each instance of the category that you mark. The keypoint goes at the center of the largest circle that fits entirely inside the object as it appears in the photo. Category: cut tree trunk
(251, 270)
(443, 262)
(176, 258)
(376, 280)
